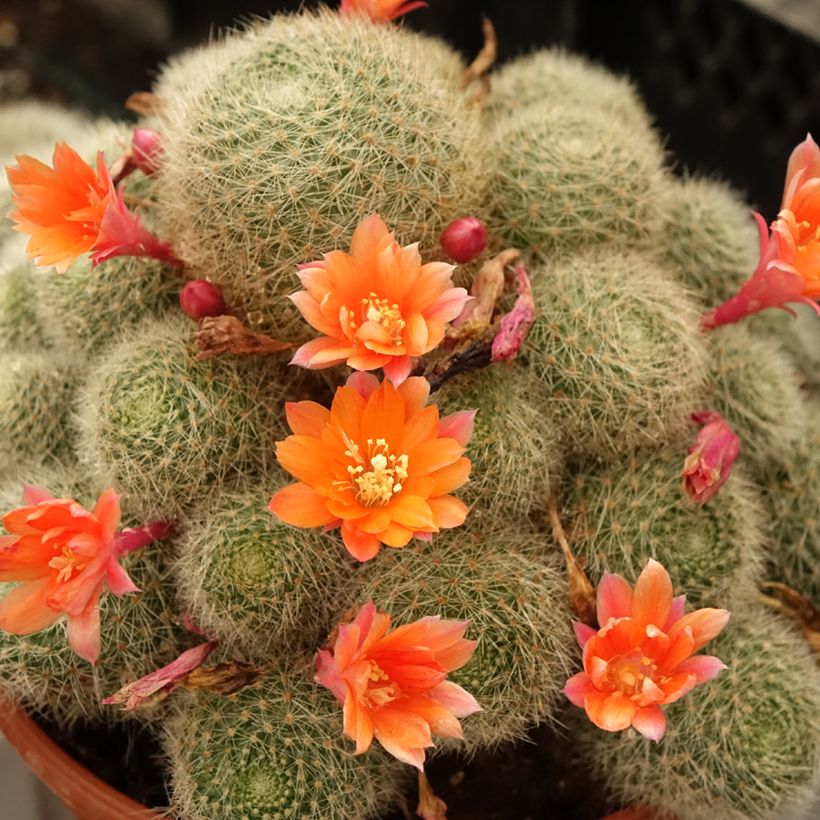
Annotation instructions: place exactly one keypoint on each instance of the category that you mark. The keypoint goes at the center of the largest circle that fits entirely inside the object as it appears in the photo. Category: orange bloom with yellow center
(379, 463)
(642, 656)
(61, 208)
(378, 306)
(64, 555)
(394, 686)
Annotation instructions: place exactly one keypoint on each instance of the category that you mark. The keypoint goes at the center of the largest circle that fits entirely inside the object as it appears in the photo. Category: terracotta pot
(83, 794)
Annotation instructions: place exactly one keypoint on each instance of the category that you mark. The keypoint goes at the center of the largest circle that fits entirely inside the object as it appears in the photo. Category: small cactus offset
(533, 488)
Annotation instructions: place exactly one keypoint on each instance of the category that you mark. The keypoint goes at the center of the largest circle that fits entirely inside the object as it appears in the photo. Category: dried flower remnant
(710, 459)
(464, 239)
(379, 463)
(393, 684)
(516, 324)
(380, 11)
(64, 556)
(789, 266)
(378, 306)
(642, 656)
(60, 207)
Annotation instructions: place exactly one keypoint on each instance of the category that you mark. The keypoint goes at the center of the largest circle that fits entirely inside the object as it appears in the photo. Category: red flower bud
(146, 149)
(464, 239)
(200, 299)
(710, 460)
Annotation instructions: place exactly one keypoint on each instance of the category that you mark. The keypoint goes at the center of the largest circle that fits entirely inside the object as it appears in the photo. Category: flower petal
(301, 506)
(652, 599)
(610, 712)
(614, 598)
(577, 688)
(703, 667)
(84, 632)
(650, 722)
(24, 609)
(361, 545)
(704, 623)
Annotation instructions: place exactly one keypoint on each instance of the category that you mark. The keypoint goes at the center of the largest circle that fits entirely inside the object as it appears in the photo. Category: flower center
(380, 690)
(627, 673)
(385, 314)
(378, 476)
(67, 565)
(808, 234)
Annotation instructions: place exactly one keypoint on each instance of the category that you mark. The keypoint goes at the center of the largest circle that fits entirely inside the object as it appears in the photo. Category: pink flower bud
(464, 239)
(710, 460)
(200, 299)
(146, 148)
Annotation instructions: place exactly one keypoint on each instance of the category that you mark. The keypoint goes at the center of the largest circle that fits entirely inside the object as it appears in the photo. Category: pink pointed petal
(35, 495)
(650, 722)
(652, 599)
(84, 632)
(577, 688)
(118, 580)
(614, 598)
(704, 623)
(459, 426)
(135, 538)
(676, 612)
(582, 632)
(134, 695)
(398, 369)
(414, 392)
(455, 699)
(365, 384)
(703, 667)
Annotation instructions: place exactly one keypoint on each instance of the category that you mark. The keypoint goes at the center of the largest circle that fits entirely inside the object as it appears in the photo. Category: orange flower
(380, 11)
(64, 555)
(377, 306)
(393, 686)
(789, 266)
(379, 463)
(61, 207)
(641, 657)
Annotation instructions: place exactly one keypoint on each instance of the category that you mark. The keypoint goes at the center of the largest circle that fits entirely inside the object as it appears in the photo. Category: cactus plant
(515, 605)
(340, 118)
(626, 512)
(258, 584)
(167, 426)
(273, 750)
(617, 347)
(745, 747)
(21, 329)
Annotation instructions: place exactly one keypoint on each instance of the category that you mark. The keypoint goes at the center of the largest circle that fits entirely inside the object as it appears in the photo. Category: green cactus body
(168, 427)
(21, 329)
(320, 121)
(792, 495)
(274, 751)
(623, 514)
(617, 348)
(799, 336)
(709, 238)
(517, 611)
(552, 78)
(36, 396)
(513, 467)
(744, 746)
(565, 179)
(754, 386)
(259, 584)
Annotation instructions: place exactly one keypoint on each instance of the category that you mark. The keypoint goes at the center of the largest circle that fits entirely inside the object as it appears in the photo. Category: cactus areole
(325, 388)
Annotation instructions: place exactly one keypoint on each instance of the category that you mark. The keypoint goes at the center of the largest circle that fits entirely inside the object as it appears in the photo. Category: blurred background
(734, 84)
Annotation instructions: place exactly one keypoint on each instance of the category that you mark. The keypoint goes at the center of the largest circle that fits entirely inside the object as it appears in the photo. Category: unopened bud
(710, 460)
(200, 299)
(146, 149)
(464, 239)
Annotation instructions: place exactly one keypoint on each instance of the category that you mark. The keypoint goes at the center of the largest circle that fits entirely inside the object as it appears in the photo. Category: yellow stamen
(385, 314)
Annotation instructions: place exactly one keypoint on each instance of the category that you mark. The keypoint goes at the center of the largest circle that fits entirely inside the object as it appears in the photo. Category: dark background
(732, 90)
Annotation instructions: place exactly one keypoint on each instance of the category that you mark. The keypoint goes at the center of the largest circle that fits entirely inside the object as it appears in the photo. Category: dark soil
(537, 780)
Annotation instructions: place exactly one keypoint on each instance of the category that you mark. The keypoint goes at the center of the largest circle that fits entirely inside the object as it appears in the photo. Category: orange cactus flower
(379, 464)
(642, 656)
(394, 686)
(381, 11)
(789, 266)
(64, 555)
(62, 207)
(378, 306)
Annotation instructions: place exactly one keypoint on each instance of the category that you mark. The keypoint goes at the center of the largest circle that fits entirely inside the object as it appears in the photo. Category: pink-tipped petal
(703, 667)
(118, 579)
(365, 384)
(650, 722)
(455, 699)
(582, 632)
(84, 632)
(459, 426)
(652, 598)
(398, 369)
(614, 598)
(35, 495)
(577, 688)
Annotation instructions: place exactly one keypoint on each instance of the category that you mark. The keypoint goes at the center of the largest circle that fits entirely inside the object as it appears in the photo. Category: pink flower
(516, 324)
(123, 234)
(789, 266)
(380, 11)
(377, 307)
(394, 686)
(163, 681)
(642, 656)
(710, 459)
(64, 556)
(146, 150)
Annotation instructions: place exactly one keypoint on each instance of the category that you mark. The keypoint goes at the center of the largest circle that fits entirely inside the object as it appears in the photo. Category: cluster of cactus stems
(267, 149)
